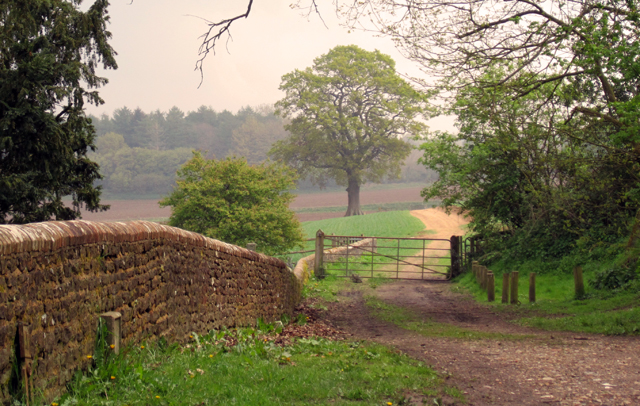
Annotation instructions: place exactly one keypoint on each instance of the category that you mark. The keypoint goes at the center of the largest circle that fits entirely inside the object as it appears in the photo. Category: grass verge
(246, 367)
(556, 308)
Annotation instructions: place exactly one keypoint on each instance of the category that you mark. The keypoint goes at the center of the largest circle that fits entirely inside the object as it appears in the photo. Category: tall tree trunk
(353, 192)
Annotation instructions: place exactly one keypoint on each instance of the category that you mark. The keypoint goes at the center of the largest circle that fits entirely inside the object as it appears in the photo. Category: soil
(411, 194)
(525, 367)
(123, 210)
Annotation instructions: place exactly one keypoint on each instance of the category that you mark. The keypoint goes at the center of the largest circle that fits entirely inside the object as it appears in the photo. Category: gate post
(318, 266)
(455, 256)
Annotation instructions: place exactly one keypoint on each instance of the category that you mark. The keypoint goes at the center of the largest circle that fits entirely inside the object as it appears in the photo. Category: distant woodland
(139, 152)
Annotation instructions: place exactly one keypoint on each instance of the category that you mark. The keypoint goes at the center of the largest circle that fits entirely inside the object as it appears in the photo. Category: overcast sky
(157, 44)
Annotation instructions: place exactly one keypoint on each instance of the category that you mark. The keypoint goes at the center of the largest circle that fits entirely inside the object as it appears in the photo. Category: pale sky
(157, 44)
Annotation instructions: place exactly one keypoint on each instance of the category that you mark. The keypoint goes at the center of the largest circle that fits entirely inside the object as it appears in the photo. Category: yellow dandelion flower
(210, 355)
(89, 356)
(112, 346)
(389, 403)
(142, 347)
(113, 377)
(157, 397)
(54, 404)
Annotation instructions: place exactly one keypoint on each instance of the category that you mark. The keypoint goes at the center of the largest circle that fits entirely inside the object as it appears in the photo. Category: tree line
(140, 152)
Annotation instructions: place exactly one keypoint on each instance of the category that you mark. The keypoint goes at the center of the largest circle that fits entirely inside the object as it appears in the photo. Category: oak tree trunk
(353, 192)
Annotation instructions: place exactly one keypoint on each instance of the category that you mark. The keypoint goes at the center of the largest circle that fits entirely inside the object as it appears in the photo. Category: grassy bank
(246, 367)
(613, 311)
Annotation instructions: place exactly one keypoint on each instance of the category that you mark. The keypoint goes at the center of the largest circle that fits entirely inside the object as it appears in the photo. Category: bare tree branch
(215, 32)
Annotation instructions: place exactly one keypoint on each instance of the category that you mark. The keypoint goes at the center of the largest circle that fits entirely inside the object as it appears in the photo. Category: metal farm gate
(387, 257)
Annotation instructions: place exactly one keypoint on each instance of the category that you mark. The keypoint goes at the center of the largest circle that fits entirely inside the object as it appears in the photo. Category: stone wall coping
(54, 235)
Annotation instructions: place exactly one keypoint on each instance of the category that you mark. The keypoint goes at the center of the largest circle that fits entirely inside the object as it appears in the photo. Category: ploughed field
(323, 205)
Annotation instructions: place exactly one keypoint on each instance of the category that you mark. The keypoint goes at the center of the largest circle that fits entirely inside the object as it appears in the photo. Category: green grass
(556, 308)
(256, 372)
(327, 289)
(384, 224)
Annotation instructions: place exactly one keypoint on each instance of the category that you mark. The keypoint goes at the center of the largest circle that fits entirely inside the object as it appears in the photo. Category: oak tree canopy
(348, 115)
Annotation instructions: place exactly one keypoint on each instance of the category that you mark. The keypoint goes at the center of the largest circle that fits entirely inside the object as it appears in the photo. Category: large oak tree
(49, 52)
(349, 113)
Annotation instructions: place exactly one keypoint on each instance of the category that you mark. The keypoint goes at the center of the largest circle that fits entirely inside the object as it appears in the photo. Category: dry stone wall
(58, 277)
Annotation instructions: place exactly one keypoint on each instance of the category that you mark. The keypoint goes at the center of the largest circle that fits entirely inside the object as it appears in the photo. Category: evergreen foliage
(49, 52)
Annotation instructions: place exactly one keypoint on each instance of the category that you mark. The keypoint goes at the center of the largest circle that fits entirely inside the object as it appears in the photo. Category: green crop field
(384, 224)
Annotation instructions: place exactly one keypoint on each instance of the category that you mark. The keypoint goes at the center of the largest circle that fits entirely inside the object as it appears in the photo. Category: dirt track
(445, 227)
(523, 367)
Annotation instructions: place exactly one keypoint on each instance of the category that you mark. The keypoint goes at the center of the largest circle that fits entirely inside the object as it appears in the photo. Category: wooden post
(251, 246)
(454, 243)
(532, 287)
(491, 287)
(483, 277)
(113, 322)
(318, 266)
(514, 287)
(505, 288)
(333, 241)
(577, 278)
(25, 359)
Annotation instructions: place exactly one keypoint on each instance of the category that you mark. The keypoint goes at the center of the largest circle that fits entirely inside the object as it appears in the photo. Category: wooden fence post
(505, 288)
(491, 287)
(472, 248)
(579, 283)
(474, 269)
(532, 287)
(454, 243)
(318, 266)
(483, 278)
(514, 287)
(113, 322)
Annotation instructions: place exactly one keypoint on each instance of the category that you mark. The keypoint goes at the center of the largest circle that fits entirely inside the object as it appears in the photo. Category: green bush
(616, 277)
